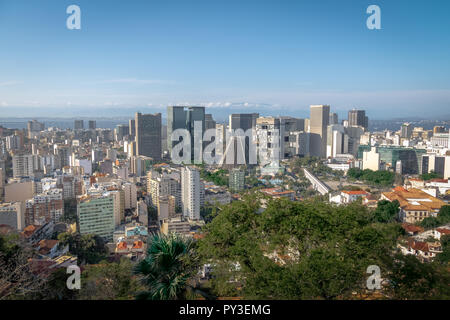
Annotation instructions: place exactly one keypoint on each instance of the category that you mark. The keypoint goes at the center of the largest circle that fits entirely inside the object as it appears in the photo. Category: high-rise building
(406, 131)
(237, 180)
(121, 131)
(209, 122)
(337, 140)
(148, 135)
(166, 207)
(333, 118)
(191, 193)
(132, 128)
(179, 117)
(92, 124)
(439, 129)
(357, 118)
(237, 150)
(130, 191)
(96, 215)
(44, 207)
(298, 143)
(78, 125)
(269, 131)
(164, 184)
(25, 165)
(34, 126)
(221, 130)
(320, 115)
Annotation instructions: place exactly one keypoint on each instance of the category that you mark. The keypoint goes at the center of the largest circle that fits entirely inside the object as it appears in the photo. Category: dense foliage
(89, 249)
(429, 176)
(386, 211)
(442, 218)
(377, 178)
(219, 177)
(307, 250)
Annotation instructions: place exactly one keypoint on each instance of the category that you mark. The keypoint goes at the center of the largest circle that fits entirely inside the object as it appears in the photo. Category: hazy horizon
(233, 56)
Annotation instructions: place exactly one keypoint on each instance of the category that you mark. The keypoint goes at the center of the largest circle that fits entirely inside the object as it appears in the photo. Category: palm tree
(169, 269)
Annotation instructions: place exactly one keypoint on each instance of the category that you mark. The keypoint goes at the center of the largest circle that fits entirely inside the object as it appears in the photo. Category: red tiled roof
(122, 245)
(443, 230)
(138, 244)
(411, 228)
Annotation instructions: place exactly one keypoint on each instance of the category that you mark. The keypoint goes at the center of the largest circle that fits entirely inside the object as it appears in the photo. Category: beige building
(318, 123)
(371, 160)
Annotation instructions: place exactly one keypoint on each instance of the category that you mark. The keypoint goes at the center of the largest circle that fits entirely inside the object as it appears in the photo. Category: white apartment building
(191, 193)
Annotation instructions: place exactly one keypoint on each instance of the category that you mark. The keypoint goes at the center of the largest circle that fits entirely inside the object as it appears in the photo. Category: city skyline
(236, 58)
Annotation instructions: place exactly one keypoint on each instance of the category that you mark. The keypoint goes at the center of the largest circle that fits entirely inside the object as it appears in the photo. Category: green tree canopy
(295, 250)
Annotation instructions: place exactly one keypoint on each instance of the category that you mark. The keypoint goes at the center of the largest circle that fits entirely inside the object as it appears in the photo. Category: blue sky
(274, 56)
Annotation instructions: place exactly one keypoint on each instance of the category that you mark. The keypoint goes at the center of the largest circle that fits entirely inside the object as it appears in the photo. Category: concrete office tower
(78, 125)
(358, 118)
(179, 117)
(33, 127)
(337, 140)
(237, 180)
(244, 121)
(148, 135)
(269, 131)
(191, 193)
(320, 115)
(13, 215)
(92, 124)
(209, 122)
(333, 118)
(96, 215)
(406, 131)
(433, 163)
(121, 131)
(132, 128)
(290, 125)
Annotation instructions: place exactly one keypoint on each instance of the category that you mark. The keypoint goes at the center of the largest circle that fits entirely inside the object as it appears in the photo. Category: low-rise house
(424, 250)
(348, 196)
(277, 193)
